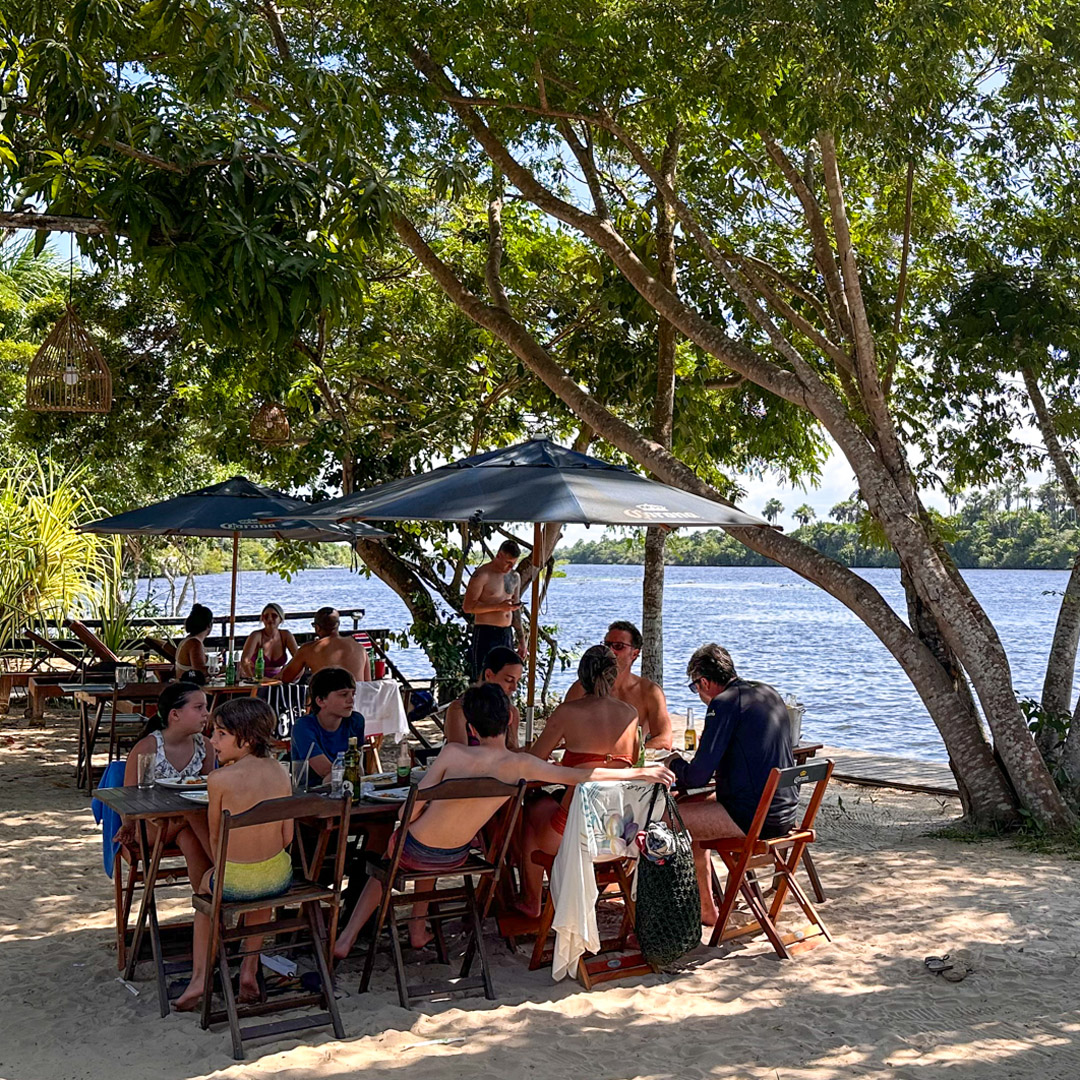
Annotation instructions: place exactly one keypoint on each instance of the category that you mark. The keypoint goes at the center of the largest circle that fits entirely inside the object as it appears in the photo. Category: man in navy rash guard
(746, 735)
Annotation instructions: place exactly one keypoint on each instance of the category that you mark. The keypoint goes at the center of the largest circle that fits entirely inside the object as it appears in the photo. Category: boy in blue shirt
(332, 722)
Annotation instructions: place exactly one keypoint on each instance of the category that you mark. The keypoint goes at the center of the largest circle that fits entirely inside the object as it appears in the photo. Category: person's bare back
(604, 726)
(644, 696)
(331, 651)
(238, 787)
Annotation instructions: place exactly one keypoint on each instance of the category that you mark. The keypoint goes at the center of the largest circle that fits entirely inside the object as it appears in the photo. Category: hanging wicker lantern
(270, 425)
(68, 373)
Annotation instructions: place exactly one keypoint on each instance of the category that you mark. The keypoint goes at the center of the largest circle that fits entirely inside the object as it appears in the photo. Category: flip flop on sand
(938, 964)
(953, 971)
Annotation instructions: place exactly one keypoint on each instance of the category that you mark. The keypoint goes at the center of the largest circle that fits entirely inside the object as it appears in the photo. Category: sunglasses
(617, 646)
(692, 687)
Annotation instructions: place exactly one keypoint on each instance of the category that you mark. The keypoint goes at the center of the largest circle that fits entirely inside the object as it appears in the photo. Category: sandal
(938, 964)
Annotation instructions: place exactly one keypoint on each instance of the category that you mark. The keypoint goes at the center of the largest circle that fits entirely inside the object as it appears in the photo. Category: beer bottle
(260, 666)
(641, 749)
(230, 668)
(140, 666)
(404, 763)
(690, 738)
(352, 764)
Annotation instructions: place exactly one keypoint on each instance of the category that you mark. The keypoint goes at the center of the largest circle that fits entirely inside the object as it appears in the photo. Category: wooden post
(534, 622)
(232, 601)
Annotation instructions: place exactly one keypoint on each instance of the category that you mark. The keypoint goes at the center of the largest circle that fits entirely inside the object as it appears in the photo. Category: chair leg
(478, 937)
(385, 906)
(230, 1001)
(736, 873)
(122, 908)
(399, 960)
(753, 898)
(547, 917)
(313, 911)
(815, 881)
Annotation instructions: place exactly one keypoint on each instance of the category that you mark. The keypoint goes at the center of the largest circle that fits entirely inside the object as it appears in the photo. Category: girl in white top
(191, 653)
(175, 738)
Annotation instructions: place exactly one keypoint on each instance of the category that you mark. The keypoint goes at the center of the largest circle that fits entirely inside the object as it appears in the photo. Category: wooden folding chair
(782, 855)
(463, 901)
(614, 879)
(306, 930)
(128, 877)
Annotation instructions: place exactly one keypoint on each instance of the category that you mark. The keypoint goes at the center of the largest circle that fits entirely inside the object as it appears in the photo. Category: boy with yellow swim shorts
(259, 863)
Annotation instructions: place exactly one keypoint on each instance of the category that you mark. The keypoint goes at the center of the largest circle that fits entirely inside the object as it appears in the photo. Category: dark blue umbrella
(236, 508)
(537, 481)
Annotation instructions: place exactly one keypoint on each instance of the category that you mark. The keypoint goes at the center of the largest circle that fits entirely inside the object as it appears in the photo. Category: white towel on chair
(603, 820)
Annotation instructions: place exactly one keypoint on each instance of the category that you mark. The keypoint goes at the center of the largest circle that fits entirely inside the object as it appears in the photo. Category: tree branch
(901, 285)
(493, 266)
(583, 151)
(10, 219)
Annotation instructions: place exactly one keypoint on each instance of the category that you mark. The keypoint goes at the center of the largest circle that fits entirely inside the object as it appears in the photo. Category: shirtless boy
(502, 666)
(624, 640)
(492, 599)
(329, 649)
(442, 832)
(259, 864)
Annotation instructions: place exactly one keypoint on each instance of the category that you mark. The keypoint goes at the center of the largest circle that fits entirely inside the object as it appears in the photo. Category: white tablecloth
(380, 703)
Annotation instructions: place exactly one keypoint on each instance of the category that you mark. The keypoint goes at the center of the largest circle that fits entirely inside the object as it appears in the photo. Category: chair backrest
(162, 647)
(53, 649)
(286, 808)
(815, 772)
(91, 641)
(469, 787)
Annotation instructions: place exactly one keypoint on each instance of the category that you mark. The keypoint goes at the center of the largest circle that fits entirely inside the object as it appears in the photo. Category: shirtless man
(442, 832)
(624, 640)
(502, 666)
(492, 599)
(329, 649)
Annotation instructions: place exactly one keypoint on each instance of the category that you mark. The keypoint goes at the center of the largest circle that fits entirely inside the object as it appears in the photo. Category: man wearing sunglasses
(747, 734)
(624, 640)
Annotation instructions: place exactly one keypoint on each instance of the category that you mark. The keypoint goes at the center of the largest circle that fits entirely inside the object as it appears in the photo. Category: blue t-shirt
(747, 734)
(309, 734)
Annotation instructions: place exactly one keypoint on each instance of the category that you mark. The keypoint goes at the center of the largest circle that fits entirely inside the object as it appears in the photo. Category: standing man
(329, 649)
(747, 734)
(624, 640)
(493, 600)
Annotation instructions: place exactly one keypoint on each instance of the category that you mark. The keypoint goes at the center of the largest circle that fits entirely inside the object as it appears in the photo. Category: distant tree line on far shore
(1008, 528)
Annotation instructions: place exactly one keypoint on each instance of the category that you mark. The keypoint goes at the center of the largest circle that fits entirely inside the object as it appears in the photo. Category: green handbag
(667, 919)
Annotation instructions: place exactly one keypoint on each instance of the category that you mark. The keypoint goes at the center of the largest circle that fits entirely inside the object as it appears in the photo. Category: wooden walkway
(884, 770)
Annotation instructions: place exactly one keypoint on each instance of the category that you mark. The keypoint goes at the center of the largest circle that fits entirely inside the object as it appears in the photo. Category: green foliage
(48, 570)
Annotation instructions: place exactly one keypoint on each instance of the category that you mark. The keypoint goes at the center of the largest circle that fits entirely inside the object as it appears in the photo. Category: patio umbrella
(236, 508)
(537, 481)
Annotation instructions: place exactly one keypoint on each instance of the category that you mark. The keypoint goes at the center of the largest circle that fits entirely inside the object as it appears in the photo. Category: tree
(804, 514)
(800, 212)
(772, 510)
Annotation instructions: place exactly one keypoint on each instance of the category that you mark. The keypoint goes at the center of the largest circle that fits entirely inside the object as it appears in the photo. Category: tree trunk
(652, 606)
(967, 630)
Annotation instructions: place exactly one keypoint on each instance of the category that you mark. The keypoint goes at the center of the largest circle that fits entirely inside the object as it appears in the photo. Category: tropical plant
(48, 569)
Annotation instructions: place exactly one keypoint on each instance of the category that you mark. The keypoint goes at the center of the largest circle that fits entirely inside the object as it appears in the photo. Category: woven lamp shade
(68, 373)
(270, 425)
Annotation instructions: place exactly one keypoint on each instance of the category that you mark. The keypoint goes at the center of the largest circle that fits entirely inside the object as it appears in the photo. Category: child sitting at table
(259, 864)
(441, 833)
(174, 737)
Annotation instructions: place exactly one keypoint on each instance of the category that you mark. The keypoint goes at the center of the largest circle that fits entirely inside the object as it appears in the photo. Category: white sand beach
(862, 1007)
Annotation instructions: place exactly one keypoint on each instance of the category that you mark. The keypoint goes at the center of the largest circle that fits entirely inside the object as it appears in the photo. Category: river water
(777, 627)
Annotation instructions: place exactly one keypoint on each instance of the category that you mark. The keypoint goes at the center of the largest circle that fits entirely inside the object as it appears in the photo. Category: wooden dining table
(158, 806)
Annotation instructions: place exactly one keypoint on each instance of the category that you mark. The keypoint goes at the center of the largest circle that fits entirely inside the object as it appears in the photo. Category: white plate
(394, 794)
(183, 785)
(202, 797)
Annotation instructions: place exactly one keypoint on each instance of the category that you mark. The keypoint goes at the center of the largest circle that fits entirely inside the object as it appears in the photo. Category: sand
(863, 1006)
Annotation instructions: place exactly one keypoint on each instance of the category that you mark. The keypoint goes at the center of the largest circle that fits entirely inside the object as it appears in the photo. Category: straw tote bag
(667, 920)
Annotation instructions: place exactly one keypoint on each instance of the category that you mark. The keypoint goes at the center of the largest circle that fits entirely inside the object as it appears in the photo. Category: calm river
(777, 627)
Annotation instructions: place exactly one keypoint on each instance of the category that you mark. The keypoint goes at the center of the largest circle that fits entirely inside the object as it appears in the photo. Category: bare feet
(189, 1000)
(249, 993)
(419, 934)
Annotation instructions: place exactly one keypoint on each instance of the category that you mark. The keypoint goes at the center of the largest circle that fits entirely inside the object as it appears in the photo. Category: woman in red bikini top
(596, 729)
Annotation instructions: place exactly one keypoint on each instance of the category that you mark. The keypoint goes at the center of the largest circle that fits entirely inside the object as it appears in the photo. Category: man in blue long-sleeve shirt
(747, 734)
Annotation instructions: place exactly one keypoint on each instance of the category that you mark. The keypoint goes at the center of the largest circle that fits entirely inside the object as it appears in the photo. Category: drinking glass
(123, 676)
(299, 773)
(212, 665)
(145, 766)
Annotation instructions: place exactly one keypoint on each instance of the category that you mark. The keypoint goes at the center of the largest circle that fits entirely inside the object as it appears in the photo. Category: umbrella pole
(232, 601)
(534, 620)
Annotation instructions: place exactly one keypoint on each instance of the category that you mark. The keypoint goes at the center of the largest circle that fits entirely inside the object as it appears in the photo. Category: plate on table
(391, 795)
(200, 797)
(189, 783)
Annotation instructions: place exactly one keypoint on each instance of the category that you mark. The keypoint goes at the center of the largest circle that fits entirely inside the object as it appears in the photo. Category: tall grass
(48, 570)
